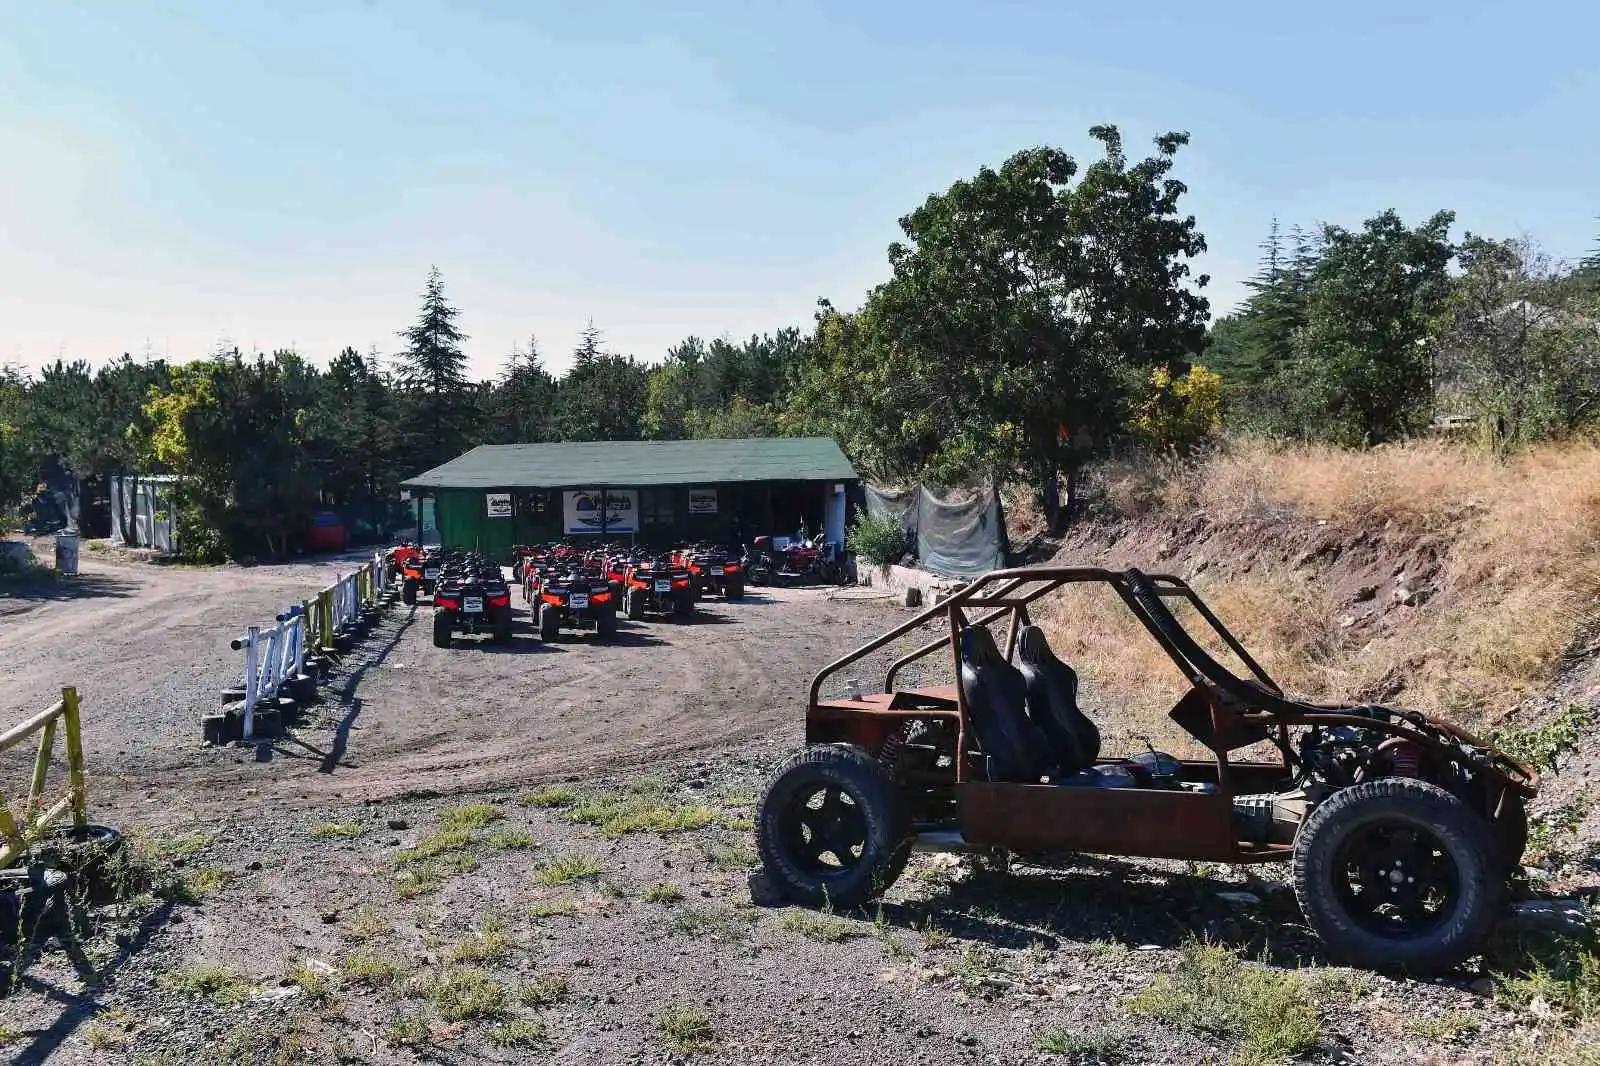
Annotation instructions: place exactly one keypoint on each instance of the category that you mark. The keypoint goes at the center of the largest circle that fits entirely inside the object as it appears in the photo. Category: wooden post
(80, 788)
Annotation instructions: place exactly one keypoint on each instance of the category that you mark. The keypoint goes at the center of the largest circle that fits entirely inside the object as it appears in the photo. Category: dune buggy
(1402, 830)
(472, 598)
(575, 598)
(654, 585)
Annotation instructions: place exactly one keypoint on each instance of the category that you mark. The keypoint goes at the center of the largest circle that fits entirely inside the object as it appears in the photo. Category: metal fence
(275, 656)
(17, 835)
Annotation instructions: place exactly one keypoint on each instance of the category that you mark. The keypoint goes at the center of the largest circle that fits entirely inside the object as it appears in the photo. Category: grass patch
(1543, 746)
(492, 941)
(722, 924)
(1107, 1045)
(367, 922)
(371, 969)
(1443, 1028)
(103, 1034)
(444, 841)
(565, 869)
(462, 994)
(818, 925)
(518, 1033)
(333, 830)
(1564, 974)
(1338, 984)
(315, 984)
(555, 796)
(687, 1029)
(406, 1029)
(192, 887)
(729, 855)
(935, 937)
(1108, 950)
(545, 990)
(560, 907)
(1549, 837)
(222, 984)
(470, 816)
(618, 815)
(1267, 1015)
(509, 840)
(663, 893)
(418, 881)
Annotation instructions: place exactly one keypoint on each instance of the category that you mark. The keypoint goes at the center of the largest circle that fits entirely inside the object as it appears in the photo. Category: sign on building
(499, 504)
(702, 501)
(581, 511)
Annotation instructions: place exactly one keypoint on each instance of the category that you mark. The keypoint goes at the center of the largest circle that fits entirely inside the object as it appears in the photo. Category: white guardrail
(275, 656)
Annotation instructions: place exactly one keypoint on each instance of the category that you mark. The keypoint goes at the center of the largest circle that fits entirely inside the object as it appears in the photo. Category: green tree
(602, 396)
(17, 468)
(1024, 304)
(521, 405)
(433, 374)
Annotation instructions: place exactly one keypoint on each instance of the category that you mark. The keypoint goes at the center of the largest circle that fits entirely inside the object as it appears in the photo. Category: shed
(657, 493)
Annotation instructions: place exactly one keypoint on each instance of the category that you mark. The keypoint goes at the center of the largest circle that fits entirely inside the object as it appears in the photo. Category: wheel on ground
(831, 828)
(683, 604)
(1398, 874)
(84, 851)
(408, 592)
(442, 629)
(502, 625)
(635, 606)
(549, 624)
(733, 590)
(606, 623)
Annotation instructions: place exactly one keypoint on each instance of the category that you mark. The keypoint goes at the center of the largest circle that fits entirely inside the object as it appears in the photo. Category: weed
(470, 816)
(1564, 975)
(326, 830)
(1267, 1013)
(1338, 984)
(315, 983)
(560, 907)
(194, 886)
(370, 968)
(615, 888)
(1543, 746)
(223, 984)
(687, 1029)
(619, 815)
(740, 824)
(518, 1033)
(977, 970)
(9, 1036)
(444, 841)
(1107, 1045)
(463, 994)
(738, 798)
(816, 925)
(1108, 950)
(718, 924)
(545, 990)
(934, 936)
(565, 869)
(509, 840)
(406, 1029)
(729, 855)
(1443, 1028)
(555, 796)
(893, 946)
(102, 1035)
(1547, 836)
(418, 881)
(663, 893)
(489, 943)
(367, 922)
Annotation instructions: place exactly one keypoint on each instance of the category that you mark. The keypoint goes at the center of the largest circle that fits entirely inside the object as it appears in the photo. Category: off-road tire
(1463, 834)
(1511, 833)
(733, 590)
(87, 853)
(549, 624)
(683, 605)
(408, 592)
(888, 843)
(635, 605)
(442, 629)
(502, 625)
(605, 623)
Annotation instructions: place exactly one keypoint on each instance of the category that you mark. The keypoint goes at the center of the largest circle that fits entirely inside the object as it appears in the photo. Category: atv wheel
(683, 604)
(408, 592)
(442, 630)
(605, 624)
(831, 828)
(635, 606)
(502, 625)
(549, 624)
(733, 590)
(1398, 874)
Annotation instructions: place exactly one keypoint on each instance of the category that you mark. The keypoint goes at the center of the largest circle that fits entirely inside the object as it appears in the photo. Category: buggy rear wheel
(442, 629)
(831, 828)
(549, 623)
(1398, 874)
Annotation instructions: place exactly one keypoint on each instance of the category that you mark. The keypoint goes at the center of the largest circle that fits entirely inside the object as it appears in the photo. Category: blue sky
(284, 175)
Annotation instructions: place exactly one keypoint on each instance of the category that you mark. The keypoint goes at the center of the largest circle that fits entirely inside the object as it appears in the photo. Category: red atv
(712, 568)
(654, 584)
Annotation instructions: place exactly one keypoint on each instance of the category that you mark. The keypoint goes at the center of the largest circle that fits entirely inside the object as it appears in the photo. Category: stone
(913, 597)
(1239, 899)
(1365, 593)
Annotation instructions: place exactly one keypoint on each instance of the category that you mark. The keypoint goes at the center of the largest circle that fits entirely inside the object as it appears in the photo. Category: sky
(276, 175)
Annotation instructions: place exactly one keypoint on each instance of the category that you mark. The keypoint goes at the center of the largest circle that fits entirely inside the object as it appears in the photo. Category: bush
(879, 539)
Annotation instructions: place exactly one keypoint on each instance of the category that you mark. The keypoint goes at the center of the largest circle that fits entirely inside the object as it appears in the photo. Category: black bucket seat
(1052, 700)
(996, 696)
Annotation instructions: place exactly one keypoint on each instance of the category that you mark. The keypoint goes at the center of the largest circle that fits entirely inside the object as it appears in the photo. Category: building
(657, 493)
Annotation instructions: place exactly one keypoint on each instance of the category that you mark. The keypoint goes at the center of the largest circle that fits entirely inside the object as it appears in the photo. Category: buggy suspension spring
(889, 753)
(1405, 757)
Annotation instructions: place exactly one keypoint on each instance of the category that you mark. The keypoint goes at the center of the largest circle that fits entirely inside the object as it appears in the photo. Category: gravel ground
(298, 902)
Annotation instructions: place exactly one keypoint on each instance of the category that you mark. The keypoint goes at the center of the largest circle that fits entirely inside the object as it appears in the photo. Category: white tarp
(957, 534)
(142, 513)
(581, 511)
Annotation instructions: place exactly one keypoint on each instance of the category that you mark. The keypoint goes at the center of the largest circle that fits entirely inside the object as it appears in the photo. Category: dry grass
(1518, 581)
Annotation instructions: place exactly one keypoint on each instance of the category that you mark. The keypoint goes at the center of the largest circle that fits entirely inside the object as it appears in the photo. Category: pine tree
(433, 372)
(523, 399)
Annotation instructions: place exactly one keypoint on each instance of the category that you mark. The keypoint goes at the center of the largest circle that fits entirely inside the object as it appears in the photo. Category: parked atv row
(472, 597)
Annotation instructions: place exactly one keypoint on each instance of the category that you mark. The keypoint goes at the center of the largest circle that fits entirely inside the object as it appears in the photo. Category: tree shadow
(57, 589)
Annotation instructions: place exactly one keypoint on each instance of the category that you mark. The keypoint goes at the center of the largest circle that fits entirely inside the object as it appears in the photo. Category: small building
(657, 493)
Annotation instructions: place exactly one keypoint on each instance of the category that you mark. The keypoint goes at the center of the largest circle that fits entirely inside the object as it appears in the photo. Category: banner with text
(581, 511)
(702, 501)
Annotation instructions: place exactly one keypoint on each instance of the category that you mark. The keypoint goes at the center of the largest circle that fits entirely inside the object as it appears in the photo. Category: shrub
(879, 539)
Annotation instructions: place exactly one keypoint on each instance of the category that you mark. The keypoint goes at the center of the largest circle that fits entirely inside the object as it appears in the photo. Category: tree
(433, 373)
(1022, 307)
(17, 471)
(1177, 414)
(521, 406)
(601, 396)
(1360, 369)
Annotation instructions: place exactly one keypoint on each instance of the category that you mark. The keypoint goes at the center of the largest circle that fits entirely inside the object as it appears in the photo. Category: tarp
(142, 515)
(958, 533)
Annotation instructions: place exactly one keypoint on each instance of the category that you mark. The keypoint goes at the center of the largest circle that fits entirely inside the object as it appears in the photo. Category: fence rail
(18, 835)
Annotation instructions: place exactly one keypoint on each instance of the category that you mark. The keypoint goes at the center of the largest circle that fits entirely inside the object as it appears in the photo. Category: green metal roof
(635, 464)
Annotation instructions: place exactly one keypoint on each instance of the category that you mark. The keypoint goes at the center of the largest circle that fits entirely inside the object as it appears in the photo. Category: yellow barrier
(36, 818)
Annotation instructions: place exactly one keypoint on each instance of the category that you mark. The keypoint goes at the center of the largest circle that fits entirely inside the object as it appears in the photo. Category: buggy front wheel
(831, 828)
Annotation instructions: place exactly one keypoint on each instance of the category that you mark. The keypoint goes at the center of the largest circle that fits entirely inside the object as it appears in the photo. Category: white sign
(702, 501)
(499, 504)
(581, 511)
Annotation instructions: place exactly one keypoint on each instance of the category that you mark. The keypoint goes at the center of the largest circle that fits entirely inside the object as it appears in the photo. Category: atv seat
(1052, 701)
